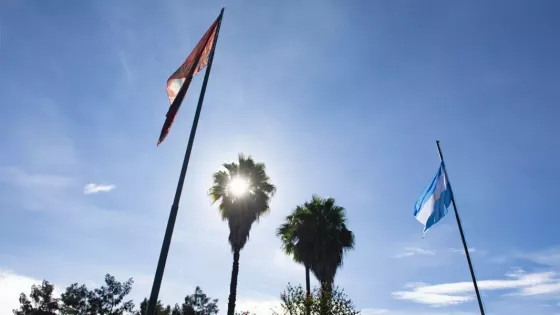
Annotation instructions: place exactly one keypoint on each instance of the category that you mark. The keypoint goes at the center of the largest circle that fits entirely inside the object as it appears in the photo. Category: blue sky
(338, 99)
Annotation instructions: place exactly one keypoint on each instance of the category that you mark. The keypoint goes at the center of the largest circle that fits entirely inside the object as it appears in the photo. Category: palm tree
(333, 239)
(243, 192)
(315, 234)
(297, 236)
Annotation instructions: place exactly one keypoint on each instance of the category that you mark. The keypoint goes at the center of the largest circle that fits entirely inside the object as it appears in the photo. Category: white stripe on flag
(428, 207)
(426, 211)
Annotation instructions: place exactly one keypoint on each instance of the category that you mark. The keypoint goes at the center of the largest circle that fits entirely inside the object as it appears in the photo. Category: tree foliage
(195, 304)
(241, 211)
(327, 221)
(42, 301)
(315, 234)
(199, 304)
(333, 302)
(75, 300)
(109, 299)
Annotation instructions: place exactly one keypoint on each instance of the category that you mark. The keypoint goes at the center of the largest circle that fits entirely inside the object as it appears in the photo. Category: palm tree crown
(332, 238)
(242, 211)
(243, 192)
(316, 235)
(297, 236)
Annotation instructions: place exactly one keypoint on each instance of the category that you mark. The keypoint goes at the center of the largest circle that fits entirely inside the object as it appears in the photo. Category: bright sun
(238, 186)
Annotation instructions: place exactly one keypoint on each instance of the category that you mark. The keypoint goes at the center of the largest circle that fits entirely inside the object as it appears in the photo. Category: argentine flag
(432, 205)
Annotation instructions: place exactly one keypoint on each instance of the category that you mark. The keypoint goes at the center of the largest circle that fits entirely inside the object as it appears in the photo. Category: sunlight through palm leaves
(243, 192)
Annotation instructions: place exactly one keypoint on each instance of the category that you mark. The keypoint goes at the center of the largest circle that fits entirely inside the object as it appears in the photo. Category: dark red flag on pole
(178, 83)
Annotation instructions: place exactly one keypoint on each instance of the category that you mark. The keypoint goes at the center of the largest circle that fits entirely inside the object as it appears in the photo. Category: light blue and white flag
(432, 205)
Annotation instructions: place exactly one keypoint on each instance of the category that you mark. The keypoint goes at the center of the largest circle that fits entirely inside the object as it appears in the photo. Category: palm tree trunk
(308, 291)
(233, 283)
(326, 295)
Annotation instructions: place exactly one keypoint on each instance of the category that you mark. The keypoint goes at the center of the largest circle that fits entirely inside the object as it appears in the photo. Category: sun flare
(238, 186)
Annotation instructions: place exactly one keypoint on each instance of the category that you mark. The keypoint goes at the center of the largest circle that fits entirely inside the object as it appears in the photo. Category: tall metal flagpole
(480, 306)
(175, 207)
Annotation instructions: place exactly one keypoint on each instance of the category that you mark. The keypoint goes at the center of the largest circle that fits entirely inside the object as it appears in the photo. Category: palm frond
(316, 234)
(242, 212)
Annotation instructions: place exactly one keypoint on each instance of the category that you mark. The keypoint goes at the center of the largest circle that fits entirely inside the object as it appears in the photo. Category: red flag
(179, 82)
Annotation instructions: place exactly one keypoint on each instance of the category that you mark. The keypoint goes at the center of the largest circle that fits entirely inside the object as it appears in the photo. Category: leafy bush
(321, 302)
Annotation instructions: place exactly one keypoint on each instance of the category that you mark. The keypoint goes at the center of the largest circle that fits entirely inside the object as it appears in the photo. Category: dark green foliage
(298, 240)
(177, 310)
(315, 234)
(294, 301)
(78, 300)
(75, 300)
(241, 211)
(327, 221)
(160, 308)
(196, 304)
(42, 302)
(109, 299)
(199, 304)
(143, 307)
(106, 300)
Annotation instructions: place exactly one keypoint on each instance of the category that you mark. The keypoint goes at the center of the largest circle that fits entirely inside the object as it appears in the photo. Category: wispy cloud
(522, 284)
(35, 191)
(548, 257)
(125, 66)
(432, 299)
(92, 188)
(460, 250)
(411, 251)
(18, 177)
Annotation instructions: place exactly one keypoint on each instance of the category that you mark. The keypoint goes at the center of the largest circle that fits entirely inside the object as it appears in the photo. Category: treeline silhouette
(109, 299)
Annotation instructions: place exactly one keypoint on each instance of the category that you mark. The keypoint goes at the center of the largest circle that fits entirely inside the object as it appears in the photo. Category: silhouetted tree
(241, 210)
(199, 304)
(109, 299)
(42, 302)
(298, 240)
(176, 310)
(333, 239)
(295, 301)
(75, 300)
(316, 235)
(160, 308)
(196, 304)
(106, 300)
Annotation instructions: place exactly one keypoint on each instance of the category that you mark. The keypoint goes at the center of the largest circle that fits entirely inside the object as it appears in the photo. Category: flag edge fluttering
(197, 60)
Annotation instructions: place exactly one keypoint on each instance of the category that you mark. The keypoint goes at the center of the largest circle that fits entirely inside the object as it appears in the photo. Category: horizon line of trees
(109, 299)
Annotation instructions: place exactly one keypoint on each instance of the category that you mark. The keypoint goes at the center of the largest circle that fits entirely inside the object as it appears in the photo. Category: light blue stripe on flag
(432, 205)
